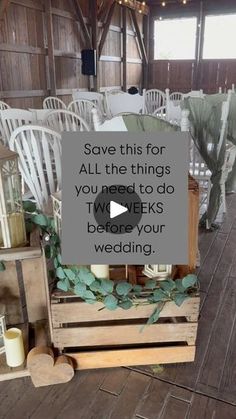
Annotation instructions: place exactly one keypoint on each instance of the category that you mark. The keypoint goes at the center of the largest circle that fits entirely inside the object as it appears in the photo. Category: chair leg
(223, 197)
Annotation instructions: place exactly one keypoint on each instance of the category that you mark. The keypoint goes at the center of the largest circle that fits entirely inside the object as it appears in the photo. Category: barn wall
(186, 75)
(24, 73)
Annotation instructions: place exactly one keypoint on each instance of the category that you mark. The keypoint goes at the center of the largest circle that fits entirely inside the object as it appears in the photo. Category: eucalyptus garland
(81, 281)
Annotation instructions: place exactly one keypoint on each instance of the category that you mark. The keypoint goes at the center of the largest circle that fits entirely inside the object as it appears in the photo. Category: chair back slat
(39, 150)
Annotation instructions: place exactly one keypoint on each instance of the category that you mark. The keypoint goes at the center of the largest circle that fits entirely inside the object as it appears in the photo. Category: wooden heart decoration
(45, 370)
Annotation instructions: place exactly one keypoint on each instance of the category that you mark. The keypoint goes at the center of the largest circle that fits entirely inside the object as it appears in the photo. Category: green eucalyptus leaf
(180, 298)
(179, 286)
(111, 302)
(189, 281)
(123, 288)
(107, 285)
(86, 277)
(29, 206)
(80, 290)
(126, 305)
(168, 285)
(59, 258)
(2, 267)
(151, 284)
(70, 274)
(159, 295)
(55, 262)
(89, 295)
(62, 285)
(137, 289)
(60, 273)
(40, 220)
(95, 286)
(155, 315)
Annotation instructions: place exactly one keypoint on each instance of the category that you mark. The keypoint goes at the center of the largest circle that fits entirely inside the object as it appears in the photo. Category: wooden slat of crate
(131, 357)
(124, 334)
(75, 312)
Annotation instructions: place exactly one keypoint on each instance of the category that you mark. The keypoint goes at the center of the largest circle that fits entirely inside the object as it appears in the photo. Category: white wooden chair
(95, 97)
(153, 99)
(198, 168)
(64, 120)
(40, 114)
(3, 106)
(124, 102)
(83, 108)
(12, 119)
(176, 97)
(52, 102)
(39, 150)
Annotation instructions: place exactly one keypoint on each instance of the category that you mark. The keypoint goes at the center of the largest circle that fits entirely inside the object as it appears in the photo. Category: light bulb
(140, 11)
(160, 18)
(184, 1)
(144, 3)
(163, 3)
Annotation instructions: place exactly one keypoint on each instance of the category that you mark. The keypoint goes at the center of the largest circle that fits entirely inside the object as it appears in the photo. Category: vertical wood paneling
(23, 69)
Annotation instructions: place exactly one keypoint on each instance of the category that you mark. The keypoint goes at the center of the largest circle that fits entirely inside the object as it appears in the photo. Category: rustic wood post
(94, 35)
(84, 29)
(146, 23)
(3, 7)
(124, 43)
(106, 29)
(51, 58)
(199, 47)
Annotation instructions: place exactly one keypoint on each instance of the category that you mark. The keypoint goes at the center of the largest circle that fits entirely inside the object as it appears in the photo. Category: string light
(184, 1)
(163, 3)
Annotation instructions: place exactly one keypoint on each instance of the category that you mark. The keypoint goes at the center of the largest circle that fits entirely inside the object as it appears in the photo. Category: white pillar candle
(100, 271)
(14, 347)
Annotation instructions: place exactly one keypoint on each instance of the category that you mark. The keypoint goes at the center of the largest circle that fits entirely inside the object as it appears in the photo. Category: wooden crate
(22, 284)
(106, 339)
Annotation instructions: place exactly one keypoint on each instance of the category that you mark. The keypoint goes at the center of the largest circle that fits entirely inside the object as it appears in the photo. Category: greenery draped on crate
(80, 281)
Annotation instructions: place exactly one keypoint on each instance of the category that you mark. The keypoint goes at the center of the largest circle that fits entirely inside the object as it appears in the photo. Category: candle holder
(2, 331)
(160, 271)
(12, 223)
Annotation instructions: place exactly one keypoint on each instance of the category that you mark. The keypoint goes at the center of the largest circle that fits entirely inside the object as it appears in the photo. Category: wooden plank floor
(205, 389)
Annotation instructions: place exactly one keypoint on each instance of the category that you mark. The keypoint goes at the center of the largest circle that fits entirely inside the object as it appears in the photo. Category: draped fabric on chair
(147, 123)
(205, 129)
(231, 134)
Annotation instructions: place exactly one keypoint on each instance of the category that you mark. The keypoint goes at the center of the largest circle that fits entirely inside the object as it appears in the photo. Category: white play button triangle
(116, 209)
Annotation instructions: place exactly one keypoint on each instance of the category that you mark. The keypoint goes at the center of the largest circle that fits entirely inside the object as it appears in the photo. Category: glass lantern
(12, 223)
(158, 271)
(56, 202)
(2, 331)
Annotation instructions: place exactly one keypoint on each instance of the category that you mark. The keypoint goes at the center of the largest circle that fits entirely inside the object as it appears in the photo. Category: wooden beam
(94, 34)
(51, 58)
(139, 36)
(85, 32)
(4, 4)
(104, 7)
(146, 27)
(199, 46)
(106, 28)
(124, 43)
